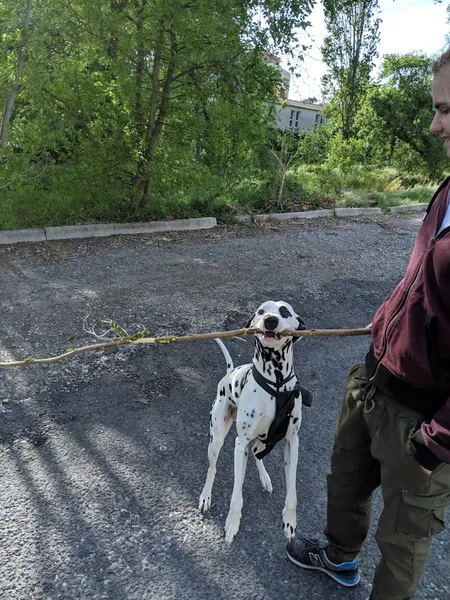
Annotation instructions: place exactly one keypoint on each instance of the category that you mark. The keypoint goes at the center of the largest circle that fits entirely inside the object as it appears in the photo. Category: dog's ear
(249, 323)
(301, 327)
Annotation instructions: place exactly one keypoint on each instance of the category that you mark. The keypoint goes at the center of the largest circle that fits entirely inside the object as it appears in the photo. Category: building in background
(283, 91)
(294, 115)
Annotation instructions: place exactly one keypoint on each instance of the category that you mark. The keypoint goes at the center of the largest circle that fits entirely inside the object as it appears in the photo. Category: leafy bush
(313, 146)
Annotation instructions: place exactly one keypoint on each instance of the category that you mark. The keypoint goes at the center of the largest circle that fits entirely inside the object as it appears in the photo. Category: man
(394, 426)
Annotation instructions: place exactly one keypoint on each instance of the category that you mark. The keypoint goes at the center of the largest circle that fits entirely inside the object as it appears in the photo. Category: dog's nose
(270, 323)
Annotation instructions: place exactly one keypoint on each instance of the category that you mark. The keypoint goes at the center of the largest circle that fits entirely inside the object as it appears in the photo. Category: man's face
(441, 101)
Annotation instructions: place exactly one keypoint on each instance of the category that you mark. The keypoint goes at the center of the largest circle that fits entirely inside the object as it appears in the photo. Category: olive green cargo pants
(372, 448)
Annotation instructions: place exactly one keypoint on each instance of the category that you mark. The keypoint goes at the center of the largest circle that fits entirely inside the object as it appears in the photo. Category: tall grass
(76, 200)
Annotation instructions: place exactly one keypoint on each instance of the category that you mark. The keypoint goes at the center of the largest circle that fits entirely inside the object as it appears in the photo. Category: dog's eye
(284, 312)
(261, 311)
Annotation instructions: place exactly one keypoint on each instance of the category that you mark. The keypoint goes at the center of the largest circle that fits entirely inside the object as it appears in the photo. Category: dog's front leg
(290, 506)
(221, 421)
(235, 512)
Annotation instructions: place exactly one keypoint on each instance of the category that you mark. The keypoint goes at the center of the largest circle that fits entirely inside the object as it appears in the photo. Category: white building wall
(298, 119)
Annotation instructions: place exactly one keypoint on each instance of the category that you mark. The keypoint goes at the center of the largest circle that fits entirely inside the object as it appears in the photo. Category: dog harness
(285, 402)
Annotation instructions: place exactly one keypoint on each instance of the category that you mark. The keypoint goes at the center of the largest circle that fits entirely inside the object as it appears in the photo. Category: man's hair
(442, 61)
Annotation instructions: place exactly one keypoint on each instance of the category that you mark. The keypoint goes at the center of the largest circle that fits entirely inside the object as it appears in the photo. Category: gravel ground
(103, 457)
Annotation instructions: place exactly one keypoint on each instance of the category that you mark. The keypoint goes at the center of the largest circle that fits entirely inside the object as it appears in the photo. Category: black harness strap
(285, 402)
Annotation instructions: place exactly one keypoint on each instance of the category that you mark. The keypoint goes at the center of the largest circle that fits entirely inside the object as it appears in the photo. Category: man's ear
(301, 327)
(249, 323)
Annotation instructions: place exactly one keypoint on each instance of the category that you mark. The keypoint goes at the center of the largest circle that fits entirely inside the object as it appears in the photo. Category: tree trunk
(357, 26)
(159, 106)
(16, 87)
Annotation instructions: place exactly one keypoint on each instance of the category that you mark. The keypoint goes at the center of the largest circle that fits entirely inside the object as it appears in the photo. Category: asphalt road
(103, 457)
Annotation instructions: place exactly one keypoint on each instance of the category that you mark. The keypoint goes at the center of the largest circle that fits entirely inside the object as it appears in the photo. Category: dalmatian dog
(265, 400)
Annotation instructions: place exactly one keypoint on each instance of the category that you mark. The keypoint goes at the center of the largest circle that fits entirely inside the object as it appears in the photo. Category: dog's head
(273, 317)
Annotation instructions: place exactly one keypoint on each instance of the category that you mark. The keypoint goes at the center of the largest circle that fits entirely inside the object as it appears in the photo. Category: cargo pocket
(431, 332)
(421, 516)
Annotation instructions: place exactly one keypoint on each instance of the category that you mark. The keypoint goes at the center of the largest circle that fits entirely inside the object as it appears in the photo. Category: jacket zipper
(437, 237)
(403, 302)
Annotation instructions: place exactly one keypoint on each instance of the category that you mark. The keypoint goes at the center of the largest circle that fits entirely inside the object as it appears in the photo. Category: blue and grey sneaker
(311, 554)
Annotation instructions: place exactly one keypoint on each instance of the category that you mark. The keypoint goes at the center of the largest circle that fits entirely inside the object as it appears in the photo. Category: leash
(285, 402)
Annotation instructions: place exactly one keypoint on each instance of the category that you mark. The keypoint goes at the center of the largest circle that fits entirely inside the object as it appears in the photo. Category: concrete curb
(406, 208)
(103, 230)
(107, 229)
(357, 212)
(14, 236)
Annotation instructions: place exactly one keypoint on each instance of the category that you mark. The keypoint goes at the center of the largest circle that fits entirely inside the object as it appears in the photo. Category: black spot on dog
(279, 376)
(285, 312)
(295, 420)
(236, 395)
(230, 388)
(222, 392)
(236, 383)
(228, 366)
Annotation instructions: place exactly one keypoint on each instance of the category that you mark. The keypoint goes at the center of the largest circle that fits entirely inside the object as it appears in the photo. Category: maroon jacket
(410, 354)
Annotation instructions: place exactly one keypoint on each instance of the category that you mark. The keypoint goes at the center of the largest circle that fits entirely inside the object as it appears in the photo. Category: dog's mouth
(270, 336)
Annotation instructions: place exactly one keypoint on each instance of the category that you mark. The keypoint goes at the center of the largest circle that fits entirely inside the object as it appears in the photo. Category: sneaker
(311, 554)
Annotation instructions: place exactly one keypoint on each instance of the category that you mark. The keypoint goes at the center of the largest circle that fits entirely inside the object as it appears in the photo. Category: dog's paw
(289, 522)
(204, 503)
(266, 482)
(232, 525)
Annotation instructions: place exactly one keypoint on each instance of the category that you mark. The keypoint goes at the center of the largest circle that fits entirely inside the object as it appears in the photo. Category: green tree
(402, 106)
(17, 76)
(314, 145)
(125, 97)
(349, 51)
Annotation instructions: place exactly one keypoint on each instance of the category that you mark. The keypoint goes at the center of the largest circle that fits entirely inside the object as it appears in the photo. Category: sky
(407, 26)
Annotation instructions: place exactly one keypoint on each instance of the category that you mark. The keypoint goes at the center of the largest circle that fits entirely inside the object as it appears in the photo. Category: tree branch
(169, 339)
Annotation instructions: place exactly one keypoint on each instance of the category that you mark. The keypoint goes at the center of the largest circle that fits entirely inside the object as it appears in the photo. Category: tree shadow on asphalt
(110, 467)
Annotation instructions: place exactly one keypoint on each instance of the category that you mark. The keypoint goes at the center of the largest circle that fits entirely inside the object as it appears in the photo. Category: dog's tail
(225, 352)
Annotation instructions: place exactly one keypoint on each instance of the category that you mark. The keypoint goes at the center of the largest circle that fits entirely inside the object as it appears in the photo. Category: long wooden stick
(170, 339)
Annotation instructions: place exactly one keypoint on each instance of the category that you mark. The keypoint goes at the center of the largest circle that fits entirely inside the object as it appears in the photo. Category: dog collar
(267, 385)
